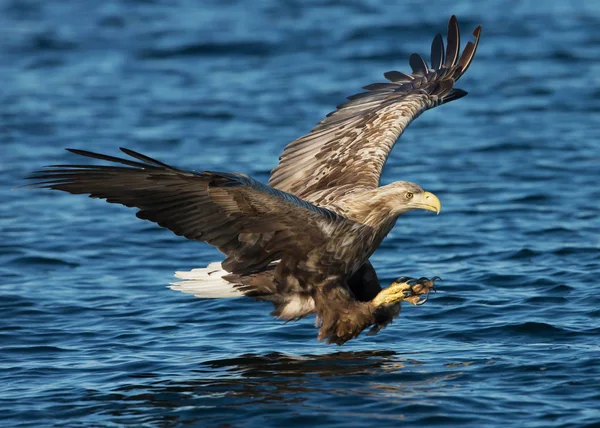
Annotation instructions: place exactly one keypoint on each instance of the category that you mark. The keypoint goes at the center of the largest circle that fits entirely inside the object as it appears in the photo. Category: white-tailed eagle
(304, 240)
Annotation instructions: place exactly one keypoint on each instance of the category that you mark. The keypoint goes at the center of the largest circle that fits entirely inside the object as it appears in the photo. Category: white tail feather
(206, 283)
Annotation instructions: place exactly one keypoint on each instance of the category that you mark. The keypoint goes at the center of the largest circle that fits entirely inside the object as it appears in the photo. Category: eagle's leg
(415, 291)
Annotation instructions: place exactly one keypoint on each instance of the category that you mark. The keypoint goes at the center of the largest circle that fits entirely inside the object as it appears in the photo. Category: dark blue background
(89, 333)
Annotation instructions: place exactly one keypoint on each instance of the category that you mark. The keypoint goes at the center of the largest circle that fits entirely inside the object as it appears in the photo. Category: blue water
(91, 336)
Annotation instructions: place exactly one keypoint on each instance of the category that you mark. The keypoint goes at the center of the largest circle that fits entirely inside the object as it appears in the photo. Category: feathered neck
(377, 208)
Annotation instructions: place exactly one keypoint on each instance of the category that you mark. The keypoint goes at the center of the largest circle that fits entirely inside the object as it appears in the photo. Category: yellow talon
(408, 289)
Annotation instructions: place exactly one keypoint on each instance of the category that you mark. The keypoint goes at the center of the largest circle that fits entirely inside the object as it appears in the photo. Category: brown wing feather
(351, 145)
(253, 224)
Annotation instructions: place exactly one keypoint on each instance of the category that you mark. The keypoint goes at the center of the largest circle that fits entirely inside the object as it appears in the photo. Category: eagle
(302, 241)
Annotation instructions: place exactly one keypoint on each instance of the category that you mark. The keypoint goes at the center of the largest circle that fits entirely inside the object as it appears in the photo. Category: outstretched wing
(253, 224)
(350, 146)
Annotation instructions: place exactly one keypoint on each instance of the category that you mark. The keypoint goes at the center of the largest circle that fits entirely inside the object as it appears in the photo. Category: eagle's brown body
(304, 241)
(351, 310)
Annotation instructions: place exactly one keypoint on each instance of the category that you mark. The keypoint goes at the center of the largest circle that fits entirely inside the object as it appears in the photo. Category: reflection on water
(251, 382)
(335, 364)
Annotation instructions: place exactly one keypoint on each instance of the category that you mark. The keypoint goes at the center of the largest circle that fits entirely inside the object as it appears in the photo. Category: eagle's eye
(409, 195)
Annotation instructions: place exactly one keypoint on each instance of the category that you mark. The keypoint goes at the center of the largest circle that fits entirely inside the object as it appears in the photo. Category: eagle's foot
(412, 290)
(418, 290)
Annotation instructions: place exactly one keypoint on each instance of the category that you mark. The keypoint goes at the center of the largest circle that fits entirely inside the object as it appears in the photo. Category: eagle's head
(403, 196)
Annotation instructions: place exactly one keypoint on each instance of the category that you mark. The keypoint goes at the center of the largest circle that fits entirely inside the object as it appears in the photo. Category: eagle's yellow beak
(430, 202)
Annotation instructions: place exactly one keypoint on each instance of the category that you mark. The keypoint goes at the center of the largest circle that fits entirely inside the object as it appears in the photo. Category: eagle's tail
(207, 283)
